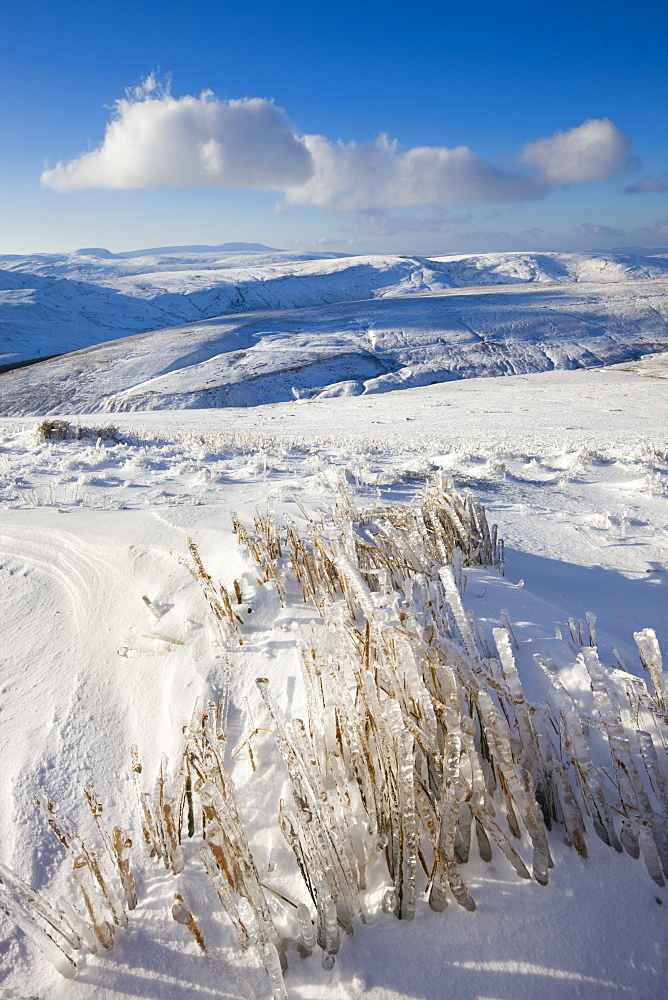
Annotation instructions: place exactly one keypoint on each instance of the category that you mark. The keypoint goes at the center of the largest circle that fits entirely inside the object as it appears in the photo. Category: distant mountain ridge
(195, 248)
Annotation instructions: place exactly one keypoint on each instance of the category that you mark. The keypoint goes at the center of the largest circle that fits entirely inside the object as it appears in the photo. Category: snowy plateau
(332, 597)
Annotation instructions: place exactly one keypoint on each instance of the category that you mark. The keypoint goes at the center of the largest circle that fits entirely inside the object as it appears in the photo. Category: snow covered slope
(352, 348)
(52, 303)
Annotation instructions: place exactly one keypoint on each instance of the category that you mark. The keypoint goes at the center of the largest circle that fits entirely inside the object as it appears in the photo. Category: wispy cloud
(649, 185)
(598, 231)
(379, 223)
(660, 228)
(157, 140)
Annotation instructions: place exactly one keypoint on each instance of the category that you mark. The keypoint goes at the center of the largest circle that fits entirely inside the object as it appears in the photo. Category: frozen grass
(418, 745)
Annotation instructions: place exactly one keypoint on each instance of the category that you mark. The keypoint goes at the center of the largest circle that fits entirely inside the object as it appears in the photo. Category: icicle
(650, 655)
(453, 598)
(122, 846)
(171, 837)
(508, 627)
(497, 733)
(654, 770)
(638, 811)
(148, 822)
(456, 569)
(79, 925)
(648, 849)
(485, 822)
(619, 660)
(405, 881)
(156, 610)
(306, 926)
(658, 783)
(484, 846)
(253, 926)
(352, 729)
(575, 832)
(445, 864)
(31, 900)
(531, 754)
(329, 938)
(47, 944)
(266, 949)
(104, 931)
(273, 966)
(155, 635)
(590, 779)
(463, 835)
(225, 895)
(357, 585)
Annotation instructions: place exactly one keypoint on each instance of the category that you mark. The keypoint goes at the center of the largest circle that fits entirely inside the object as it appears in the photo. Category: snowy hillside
(232, 329)
(52, 303)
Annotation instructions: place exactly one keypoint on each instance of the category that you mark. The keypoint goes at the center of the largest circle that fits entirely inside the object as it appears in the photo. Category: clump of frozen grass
(417, 747)
(437, 733)
(52, 429)
(417, 735)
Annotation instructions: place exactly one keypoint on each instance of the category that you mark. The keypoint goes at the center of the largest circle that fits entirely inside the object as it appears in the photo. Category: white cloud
(348, 177)
(156, 140)
(593, 151)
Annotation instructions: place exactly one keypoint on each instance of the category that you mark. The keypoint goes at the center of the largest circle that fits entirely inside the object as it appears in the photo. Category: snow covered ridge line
(57, 303)
(416, 732)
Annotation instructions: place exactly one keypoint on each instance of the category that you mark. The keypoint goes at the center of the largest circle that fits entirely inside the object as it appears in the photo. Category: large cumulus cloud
(157, 140)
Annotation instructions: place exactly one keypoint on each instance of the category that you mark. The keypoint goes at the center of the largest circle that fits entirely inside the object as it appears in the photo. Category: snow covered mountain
(223, 327)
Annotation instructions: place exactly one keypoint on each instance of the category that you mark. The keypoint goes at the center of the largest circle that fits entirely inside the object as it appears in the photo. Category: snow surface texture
(573, 467)
(225, 328)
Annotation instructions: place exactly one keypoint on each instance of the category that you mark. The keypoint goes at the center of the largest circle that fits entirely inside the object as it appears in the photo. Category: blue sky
(464, 94)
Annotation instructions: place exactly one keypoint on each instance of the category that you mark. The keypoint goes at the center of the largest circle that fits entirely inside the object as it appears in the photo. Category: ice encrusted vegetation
(417, 747)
